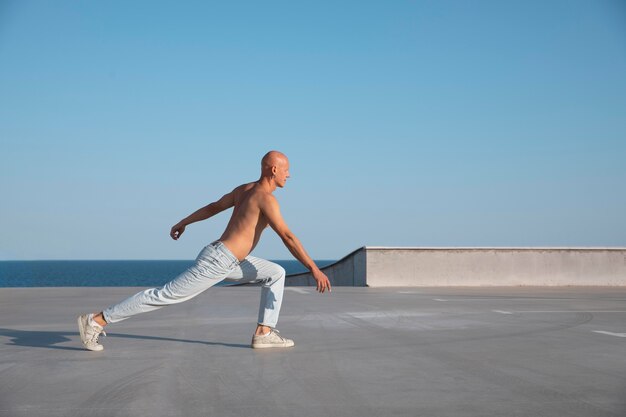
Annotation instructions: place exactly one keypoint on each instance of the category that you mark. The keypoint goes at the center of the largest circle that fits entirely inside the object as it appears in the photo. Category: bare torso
(247, 221)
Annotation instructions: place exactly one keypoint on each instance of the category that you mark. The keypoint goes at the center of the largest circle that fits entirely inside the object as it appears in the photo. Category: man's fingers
(323, 284)
(175, 234)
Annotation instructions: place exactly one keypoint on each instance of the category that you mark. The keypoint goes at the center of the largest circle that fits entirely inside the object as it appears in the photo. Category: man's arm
(271, 210)
(210, 210)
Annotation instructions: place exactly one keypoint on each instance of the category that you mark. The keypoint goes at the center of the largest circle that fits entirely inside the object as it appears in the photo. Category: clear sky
(407, 123)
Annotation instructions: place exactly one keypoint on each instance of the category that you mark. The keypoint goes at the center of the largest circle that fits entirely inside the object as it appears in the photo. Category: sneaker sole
(272, 345)
(82, 336)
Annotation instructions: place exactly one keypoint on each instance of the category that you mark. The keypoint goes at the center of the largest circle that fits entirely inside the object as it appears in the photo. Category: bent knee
(281, 272)
(278, 273)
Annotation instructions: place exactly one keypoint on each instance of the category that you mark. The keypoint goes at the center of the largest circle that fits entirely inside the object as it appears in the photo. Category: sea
(107, 273)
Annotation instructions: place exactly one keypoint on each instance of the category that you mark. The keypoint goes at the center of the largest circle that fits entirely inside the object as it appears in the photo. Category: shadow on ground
(50, 340)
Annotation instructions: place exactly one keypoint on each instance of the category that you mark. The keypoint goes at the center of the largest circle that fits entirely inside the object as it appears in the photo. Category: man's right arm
(271, 210)
(210, 210)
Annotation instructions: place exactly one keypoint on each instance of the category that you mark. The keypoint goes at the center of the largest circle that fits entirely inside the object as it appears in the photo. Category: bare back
(247, 221)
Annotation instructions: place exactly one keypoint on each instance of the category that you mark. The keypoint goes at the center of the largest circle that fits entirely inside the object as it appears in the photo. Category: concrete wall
(348, 271)
(388, 267)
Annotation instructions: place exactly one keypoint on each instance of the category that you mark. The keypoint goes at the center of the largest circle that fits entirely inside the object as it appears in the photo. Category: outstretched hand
(323, 283)
(177, 230)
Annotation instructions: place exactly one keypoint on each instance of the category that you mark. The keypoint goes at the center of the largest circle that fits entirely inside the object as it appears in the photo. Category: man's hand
(177, 230)
(323, 283)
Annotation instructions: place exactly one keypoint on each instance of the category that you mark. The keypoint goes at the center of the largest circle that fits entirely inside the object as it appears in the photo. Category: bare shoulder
(244, 187)
(240, 190)
(253, 194)
(267, 201)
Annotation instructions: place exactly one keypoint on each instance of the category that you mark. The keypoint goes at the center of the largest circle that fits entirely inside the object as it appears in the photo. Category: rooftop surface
(516, 351)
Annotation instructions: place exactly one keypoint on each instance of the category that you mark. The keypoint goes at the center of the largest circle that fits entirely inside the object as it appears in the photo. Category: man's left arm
(272, 211)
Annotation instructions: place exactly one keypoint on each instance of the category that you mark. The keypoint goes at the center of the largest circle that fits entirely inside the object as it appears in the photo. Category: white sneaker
(271, 340)
(90, 332)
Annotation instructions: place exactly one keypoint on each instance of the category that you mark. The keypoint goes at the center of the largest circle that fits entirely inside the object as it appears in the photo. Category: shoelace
(96, 336)
(277, 334)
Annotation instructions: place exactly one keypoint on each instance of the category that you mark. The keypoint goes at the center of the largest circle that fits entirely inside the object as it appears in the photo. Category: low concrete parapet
(348, 271)
(432, 267)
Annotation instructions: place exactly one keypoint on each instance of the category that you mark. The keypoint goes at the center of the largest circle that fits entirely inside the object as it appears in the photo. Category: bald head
(275, 167)
(273, 158)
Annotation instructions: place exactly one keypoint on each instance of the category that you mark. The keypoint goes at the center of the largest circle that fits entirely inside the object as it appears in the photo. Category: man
(255, 207)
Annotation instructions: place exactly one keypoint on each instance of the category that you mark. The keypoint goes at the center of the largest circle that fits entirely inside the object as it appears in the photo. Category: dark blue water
(104, 273)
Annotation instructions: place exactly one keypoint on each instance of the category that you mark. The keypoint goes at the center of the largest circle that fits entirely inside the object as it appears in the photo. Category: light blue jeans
(214, 263)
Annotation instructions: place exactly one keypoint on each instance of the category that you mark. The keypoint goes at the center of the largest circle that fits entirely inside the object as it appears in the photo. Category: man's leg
(185, 286)
(272, 278)
(213, 264)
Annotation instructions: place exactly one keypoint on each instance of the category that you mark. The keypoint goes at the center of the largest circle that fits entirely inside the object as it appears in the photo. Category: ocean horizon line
(108, 272)
(149, 260)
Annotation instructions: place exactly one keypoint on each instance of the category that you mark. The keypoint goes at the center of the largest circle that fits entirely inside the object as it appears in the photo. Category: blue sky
(421, 123)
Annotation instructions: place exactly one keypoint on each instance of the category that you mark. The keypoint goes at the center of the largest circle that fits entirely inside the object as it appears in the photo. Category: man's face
(282, 173)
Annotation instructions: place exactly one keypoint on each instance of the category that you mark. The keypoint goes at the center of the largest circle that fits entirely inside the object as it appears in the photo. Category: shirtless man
(255, 208)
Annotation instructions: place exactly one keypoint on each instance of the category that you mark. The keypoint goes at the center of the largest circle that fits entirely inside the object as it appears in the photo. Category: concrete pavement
(515, 351)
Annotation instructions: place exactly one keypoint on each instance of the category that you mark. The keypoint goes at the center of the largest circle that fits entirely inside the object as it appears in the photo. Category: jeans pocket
(214, 257)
